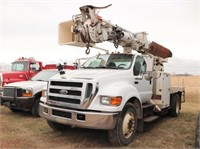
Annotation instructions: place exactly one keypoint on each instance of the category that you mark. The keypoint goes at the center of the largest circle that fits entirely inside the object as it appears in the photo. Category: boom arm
(88, 29)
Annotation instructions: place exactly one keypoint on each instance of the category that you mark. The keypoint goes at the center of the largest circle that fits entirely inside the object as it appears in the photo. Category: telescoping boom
(88, 28)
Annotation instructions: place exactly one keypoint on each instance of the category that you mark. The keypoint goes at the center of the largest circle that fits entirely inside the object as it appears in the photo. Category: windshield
(109, 61)
(19, 66)
(44, 75)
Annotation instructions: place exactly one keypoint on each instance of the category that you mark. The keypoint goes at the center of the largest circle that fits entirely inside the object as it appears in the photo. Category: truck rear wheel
(57, 126)
(125, 128)
(175, 105)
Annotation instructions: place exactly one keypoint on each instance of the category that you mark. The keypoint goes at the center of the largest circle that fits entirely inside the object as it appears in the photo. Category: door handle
(150, 81)
(136, 82)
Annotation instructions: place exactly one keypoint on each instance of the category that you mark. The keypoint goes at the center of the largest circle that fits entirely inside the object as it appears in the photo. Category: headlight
(111, 101)
(27, 93)
(44, 93)
(105, 100)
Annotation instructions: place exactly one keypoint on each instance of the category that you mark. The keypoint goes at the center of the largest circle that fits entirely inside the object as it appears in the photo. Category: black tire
(197, 138)
(35, 108)
(125, 128)
(57, 126)
(175, 105)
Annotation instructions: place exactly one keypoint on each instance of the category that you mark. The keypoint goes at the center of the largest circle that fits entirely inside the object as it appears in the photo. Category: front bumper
(84, 119)
(22, 103)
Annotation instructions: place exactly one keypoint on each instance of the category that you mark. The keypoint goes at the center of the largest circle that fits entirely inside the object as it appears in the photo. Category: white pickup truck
(26, 95)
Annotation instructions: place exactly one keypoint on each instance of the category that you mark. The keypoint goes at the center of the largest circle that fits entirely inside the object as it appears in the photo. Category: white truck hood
(36, 86)
(90, 74)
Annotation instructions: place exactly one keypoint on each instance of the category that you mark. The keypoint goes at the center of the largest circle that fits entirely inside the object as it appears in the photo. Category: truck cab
(21, 69)
(28, 66)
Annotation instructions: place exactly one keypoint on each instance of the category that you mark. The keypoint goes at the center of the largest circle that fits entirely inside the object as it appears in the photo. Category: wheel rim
(128, 125)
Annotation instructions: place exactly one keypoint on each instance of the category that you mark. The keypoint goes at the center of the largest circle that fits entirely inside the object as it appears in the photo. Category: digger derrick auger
(88, 28)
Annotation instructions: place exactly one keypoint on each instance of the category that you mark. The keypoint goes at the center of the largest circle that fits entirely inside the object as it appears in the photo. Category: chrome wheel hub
(128, 125)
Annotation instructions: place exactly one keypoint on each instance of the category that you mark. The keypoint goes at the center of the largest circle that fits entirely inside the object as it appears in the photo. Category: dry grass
(22, 130)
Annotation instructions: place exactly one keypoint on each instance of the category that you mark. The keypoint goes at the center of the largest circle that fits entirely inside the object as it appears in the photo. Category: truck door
(143, 85)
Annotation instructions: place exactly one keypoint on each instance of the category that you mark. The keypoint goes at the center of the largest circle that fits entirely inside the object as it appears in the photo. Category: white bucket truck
(117, 92)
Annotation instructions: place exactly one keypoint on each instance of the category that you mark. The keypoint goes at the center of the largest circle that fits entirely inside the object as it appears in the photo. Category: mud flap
(140, 126)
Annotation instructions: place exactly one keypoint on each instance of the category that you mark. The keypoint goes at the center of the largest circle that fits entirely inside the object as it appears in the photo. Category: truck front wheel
(57, 126)
(125, 128)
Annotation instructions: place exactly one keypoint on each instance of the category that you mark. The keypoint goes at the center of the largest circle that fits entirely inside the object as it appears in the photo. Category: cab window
(35, 66)
(19, 66)
(140, 66)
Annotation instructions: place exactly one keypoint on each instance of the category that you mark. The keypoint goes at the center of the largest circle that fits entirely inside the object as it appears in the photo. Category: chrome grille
(67, 84)
(8, 91)
(63, 99)
(12, 92)
(66, 93)
(70, 93)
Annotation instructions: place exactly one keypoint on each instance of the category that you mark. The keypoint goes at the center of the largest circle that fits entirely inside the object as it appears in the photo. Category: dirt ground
(22, 130)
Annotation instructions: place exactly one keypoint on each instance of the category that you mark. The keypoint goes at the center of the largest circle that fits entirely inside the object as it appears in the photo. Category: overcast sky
(29, 28)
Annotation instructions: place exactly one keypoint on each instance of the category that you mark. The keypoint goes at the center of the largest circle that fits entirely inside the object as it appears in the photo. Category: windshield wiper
(101, 67)
(40, 80)
(88, 67)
